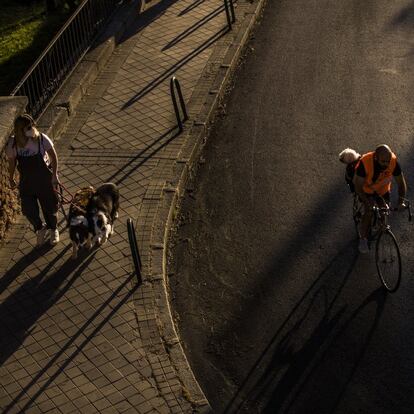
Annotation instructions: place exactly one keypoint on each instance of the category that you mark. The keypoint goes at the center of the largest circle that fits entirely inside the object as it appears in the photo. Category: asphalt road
(277, 311)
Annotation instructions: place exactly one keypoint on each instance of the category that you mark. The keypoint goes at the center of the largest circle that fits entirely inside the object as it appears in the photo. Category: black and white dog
(79, 222)
(80, 234)
(103, 210)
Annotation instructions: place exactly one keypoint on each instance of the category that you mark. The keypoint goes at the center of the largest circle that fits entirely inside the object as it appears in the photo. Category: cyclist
(372, 181)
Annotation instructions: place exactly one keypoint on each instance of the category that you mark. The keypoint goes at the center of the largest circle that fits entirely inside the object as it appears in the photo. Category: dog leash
(65, 200)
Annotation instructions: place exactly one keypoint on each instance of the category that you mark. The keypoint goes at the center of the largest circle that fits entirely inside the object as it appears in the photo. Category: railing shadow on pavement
(52, 377)
(146, 18)
(168, 136)
(187, 32)
(169, 72)
(191, 7)
(279, 344)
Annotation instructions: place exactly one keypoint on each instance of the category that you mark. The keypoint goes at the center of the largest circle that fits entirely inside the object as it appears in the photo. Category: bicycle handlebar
(387, 208)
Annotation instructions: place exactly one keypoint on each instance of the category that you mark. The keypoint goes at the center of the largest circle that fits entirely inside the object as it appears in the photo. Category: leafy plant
(26, 29)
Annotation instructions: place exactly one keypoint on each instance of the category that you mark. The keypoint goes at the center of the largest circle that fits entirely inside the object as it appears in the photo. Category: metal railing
(134, 249)
(46, 75)
(230, 15)
(175, 86)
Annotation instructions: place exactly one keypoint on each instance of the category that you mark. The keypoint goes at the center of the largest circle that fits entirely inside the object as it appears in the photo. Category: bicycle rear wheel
(388, 260)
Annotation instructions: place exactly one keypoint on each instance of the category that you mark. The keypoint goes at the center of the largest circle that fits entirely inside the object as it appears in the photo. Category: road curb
(172, 191)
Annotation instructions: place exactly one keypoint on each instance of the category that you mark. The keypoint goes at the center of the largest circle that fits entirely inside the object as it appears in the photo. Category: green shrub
(25, 30)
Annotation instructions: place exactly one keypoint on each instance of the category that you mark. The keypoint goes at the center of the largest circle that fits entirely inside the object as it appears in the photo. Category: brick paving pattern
(80, 335)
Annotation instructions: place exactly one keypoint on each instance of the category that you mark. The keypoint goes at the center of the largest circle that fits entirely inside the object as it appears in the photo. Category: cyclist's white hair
(348, 155)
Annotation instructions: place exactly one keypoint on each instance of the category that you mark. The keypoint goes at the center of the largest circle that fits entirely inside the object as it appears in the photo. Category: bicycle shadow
(307, 393)
(288, 354)
(291, 381)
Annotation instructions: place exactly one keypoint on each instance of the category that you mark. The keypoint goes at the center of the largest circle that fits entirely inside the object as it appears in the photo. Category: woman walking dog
(35, 157)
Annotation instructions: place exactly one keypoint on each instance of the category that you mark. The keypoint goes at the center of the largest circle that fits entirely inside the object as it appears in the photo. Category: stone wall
(10, 108)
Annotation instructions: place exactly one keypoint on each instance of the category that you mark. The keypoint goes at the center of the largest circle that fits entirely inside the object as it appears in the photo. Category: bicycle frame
(380, 214)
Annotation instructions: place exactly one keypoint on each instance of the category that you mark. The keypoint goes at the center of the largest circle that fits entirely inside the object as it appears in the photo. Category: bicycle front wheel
(388, 260)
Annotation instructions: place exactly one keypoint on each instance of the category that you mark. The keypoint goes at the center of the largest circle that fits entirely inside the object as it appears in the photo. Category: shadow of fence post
(175, 86)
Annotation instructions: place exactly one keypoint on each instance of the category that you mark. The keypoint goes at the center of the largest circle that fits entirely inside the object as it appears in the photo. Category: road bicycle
(387, 251)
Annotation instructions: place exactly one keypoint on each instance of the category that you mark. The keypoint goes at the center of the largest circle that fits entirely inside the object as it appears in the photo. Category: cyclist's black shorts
(377, 198)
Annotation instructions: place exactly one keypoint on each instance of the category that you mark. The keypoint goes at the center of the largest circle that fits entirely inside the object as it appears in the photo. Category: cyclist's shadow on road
(291, 364)
(324, 360)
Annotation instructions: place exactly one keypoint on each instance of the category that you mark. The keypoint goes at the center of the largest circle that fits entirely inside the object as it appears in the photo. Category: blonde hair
(20, 124)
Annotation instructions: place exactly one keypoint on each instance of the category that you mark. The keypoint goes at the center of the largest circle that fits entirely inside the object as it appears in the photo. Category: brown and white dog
(103, 211)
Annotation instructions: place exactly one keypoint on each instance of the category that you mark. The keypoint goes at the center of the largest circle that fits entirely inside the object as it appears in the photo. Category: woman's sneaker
(54, 236)
(40, 236)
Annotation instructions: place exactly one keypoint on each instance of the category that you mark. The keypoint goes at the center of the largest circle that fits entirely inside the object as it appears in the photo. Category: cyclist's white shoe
(363, 246)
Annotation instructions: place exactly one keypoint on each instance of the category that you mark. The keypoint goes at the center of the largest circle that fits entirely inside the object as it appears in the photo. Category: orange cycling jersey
(382, 184)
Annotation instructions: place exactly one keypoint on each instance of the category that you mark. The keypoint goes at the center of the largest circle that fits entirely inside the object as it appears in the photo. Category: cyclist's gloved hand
(402, 206)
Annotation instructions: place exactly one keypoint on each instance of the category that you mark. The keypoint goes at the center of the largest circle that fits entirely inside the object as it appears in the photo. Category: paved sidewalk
(82, 336)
